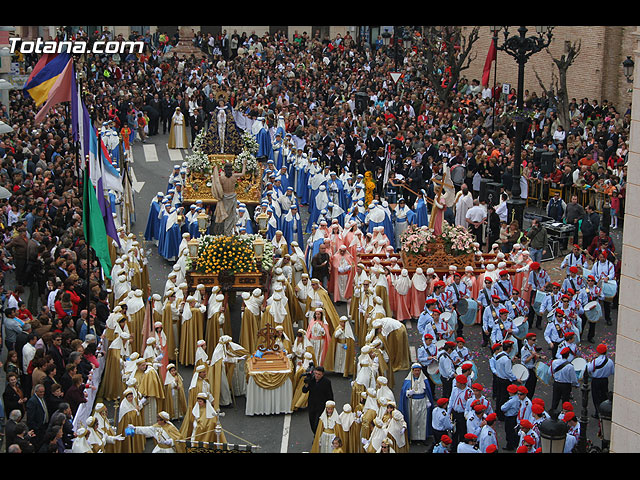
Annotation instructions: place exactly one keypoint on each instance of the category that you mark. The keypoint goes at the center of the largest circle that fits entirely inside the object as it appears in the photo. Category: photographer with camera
(319, 388)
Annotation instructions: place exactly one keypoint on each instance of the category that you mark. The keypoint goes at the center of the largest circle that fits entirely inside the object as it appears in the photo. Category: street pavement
(153, 163)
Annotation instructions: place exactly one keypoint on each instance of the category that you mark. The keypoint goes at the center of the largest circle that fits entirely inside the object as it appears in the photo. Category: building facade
(625, 431)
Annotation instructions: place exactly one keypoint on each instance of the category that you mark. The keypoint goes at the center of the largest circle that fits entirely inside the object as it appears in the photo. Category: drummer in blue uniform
(564, 378)
(427, 354)
(536, 281)
(529, 356)
(490, 316)
(456, 291)
(600, 369)
(461, 353)
(573, 280)
(447, 368)
(503, 286)
(574, 259)
(569, 342)
(551, 300)
(484, 300)
(591, 293)
(510, 410)
(554, 332)
(502, 326)
(604, 271)
(504, 375)
(425, 320)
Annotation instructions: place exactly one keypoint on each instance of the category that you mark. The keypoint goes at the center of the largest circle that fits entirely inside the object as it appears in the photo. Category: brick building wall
(596, 73)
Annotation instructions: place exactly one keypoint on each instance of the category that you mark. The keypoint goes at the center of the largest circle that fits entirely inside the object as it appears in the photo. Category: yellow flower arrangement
(219, 253)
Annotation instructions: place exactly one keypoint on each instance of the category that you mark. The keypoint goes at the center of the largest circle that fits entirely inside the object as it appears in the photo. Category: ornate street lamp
(553, 434)
(193, 245)
(203, 221)
(521, 47)
(386, 37)
(605, 410)
(627, 67)
(262, 219)
(258, 248)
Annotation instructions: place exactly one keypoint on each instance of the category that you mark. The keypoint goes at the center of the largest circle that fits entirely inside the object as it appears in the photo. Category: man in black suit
(319, 388)
(24, 439)
(167, 107)
(197, 124)
(154, 120)
(37, 414)
(15, 416)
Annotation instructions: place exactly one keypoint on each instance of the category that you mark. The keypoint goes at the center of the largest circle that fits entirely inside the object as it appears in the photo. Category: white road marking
(150, 153)
(284, 446)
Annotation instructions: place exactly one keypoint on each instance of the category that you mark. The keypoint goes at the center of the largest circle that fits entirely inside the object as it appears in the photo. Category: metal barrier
(541, 192)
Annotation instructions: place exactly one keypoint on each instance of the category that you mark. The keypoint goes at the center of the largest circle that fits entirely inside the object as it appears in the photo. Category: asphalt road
(292, 433)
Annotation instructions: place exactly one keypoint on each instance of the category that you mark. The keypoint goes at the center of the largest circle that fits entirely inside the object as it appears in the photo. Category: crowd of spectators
(54, 299)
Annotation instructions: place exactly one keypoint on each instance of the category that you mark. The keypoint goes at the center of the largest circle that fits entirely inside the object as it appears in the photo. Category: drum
(520, 372)
(472, 311)
(585, 272)
(609, 289)
(474, 370)
(462, 306)
(451, 318)
(520, 327)
(440, 344)
(593, 311)
(579, 364)
(537, 302)
(434, 373)
(543, 372)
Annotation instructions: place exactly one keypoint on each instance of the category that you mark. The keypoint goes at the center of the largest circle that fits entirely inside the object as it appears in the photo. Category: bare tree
(559, 83)
(446, 53)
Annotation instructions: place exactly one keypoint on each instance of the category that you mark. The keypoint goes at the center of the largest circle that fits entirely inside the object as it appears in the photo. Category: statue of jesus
(223, 189)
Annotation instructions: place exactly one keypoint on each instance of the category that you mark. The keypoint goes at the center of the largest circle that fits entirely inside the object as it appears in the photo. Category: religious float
(212, 150)
(236, 263)
(232, 262)
(421, 247)
(268, 371)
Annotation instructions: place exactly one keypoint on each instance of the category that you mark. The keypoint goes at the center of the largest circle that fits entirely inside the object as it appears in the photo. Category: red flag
(491, 57)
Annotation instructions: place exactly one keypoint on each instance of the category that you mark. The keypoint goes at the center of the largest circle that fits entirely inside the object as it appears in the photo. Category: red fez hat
(477, 386)
(428, 336)
(460, 339)
(529, 439)
(602, 348)
(573, 269)
(565, 351)
(534, 266)
(512, 388)
(567, 406)
(524, 423)
(491, 448)
(569, 416)
(504, 310)
(522, 449)
(461, 379)
(530, 335)
(537, 408)
(445, 439)
(491, 417)
(503, 272)
(466, 366)
(470, 436)
(559, 312)
(442, 401)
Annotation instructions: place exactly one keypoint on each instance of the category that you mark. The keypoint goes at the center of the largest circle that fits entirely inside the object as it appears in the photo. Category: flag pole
(495, 77)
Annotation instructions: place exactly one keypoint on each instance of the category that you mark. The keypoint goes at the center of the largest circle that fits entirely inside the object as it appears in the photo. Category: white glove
(409, 393)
